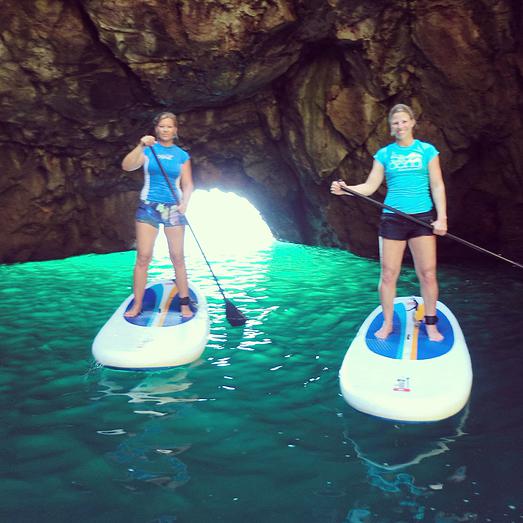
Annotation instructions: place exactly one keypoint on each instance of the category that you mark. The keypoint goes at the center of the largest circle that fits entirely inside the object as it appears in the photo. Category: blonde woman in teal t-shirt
(415, 186)
(159, 206)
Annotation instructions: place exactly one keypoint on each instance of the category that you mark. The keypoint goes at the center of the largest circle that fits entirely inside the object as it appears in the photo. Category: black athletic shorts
(395, 227)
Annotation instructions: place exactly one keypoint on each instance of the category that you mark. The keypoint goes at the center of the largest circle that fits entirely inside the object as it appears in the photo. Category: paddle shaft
(421, 222)
(230, 307)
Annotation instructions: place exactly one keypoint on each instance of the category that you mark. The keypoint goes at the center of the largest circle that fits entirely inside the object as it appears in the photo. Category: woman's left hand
(182, 208)
(439, 227)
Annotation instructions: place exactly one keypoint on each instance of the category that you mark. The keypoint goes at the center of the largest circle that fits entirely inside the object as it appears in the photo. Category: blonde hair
(164, 115)
(401, 108)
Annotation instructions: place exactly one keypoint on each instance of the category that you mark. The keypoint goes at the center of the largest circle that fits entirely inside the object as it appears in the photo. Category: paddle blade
(234, 316)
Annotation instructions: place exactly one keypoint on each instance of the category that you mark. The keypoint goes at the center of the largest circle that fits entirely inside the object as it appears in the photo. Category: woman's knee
(178, 259)
(143, 259)
(389, 275)
(427, 276)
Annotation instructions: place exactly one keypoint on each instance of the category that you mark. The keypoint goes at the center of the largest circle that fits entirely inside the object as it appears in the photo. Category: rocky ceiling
(276, 99)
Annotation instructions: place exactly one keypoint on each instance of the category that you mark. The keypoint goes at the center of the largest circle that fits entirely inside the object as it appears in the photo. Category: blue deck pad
(392, 347)
(432, 349)
(151, 307)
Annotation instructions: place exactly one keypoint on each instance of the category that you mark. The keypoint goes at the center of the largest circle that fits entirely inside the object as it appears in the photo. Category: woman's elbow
(128, 166)
(437, 187)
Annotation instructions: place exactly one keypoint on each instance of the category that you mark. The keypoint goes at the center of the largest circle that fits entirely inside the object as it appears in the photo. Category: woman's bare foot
(384, 331)
(133, 311)
(186, 311)
(433, 333)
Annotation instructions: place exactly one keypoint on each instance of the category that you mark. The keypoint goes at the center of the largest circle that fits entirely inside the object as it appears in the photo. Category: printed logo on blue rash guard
(165, 156)
(401, 162)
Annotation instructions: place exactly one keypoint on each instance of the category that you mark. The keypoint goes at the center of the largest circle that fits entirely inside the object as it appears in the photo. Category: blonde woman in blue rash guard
(415, 186)
(158, 205)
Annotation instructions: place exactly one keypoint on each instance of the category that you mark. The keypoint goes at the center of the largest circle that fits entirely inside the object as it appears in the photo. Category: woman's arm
(371, 184)
(136, 158)
(437, 191)
(186, 185)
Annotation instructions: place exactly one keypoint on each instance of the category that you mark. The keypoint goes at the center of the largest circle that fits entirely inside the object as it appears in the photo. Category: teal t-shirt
(407, 176)
(155, 188)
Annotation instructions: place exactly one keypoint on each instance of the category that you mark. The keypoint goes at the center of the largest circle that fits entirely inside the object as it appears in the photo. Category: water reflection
(160, 388)
(149, 450)
(145, 462)
(390, 453)
(408, 444)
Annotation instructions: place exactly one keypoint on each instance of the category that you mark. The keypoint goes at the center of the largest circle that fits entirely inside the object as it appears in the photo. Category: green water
(255, 431)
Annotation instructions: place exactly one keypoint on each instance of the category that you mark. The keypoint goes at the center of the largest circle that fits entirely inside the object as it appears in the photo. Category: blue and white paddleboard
(407, 377)
(158, 337)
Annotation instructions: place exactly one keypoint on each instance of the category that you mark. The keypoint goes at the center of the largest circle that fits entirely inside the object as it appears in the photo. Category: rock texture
(276, 99)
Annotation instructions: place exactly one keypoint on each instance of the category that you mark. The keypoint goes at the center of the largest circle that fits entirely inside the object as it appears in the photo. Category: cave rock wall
(276, 98)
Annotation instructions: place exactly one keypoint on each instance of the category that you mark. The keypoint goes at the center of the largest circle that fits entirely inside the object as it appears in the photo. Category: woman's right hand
(337, 187)
(147, 140)
(136, 158)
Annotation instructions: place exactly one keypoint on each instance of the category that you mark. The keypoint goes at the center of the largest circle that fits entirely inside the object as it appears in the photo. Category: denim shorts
(155, 213)
(395, 227)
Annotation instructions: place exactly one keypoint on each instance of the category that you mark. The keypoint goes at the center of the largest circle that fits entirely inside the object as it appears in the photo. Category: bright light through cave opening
(224, 224)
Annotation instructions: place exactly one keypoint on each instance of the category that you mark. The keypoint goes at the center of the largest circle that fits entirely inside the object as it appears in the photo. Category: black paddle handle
(421, 222)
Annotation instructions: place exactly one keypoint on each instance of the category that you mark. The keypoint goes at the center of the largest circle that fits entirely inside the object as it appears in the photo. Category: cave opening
(224, 224)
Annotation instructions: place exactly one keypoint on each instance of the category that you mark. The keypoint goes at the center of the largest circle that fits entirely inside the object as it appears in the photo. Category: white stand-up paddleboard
(407, 377)
(158, 337)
